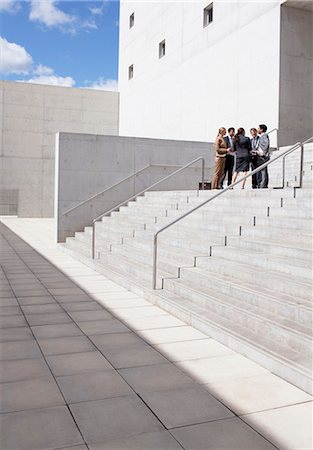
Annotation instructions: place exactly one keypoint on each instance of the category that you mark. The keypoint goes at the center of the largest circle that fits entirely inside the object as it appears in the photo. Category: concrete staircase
(238, 269)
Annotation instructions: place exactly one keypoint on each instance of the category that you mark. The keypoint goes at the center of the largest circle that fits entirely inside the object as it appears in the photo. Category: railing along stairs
(223, 192)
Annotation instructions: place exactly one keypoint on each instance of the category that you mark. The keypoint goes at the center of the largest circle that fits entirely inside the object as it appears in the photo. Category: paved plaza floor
(86, 364)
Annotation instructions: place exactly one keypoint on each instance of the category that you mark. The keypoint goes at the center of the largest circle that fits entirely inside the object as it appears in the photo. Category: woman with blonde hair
(221, 150)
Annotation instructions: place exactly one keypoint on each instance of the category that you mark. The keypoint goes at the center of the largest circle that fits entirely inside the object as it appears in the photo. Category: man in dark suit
(263, 155)
(254, 156)
(229, 158)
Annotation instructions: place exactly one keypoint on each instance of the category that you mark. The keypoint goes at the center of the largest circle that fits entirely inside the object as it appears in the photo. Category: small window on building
(131, 72)
(132, 20)
(162, 49)
(208, 15)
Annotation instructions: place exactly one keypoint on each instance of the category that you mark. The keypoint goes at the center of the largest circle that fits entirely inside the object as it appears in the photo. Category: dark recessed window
(131, 72)
(162, 49)
(208, 15)
(131, 20)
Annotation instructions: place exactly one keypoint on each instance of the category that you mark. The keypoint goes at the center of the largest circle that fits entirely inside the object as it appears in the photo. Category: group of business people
(242, 152)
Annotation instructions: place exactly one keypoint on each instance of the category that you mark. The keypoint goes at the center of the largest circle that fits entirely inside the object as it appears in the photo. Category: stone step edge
(197, 322)
(238, 309)
(181, 267)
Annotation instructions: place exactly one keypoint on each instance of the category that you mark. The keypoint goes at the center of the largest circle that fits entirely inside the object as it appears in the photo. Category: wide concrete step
(271, 282)
(289, 364)
(284, 265)
(274, 247)
(281, 331)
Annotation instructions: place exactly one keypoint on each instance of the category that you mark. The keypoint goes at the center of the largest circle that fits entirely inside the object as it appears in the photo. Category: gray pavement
(74, 376)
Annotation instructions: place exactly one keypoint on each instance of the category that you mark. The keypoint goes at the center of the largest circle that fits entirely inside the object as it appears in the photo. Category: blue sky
(71, 43)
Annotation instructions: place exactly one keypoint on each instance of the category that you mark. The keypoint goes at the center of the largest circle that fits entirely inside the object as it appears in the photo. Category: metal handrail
(222, 192)
(301, 165)
(277, 135)
(107, 189)
(200, 158)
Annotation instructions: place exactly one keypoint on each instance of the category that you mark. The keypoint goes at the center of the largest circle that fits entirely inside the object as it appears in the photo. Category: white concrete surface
(86, 165)
(31, 115)
(285, 418)
(251, 65)
(226, 74)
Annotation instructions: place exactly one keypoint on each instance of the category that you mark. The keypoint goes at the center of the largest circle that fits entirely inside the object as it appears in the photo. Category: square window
(131, 72)
(208, 15)
(162, 49)
(132, 20)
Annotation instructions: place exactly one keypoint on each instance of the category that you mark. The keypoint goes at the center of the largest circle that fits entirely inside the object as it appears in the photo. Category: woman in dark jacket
(242, 148)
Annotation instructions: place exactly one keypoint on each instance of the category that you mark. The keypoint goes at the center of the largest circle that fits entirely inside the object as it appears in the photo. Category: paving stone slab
(93, 327)
(24, 292)
(12, 322)
(19, 350)
(76, 447)
(57, 330)
(52, 283)
(84, 316)
(172, 334)
(114, 418)
(134, 356)
(116, 341)
(41, 300)
(187, 350)
(66, 291)
(47, 319)
(15, 334)
(94, 386)
(72, 298)
(29, 394)
(246, 395)
(42, 309)
(76, 363)
(146, 323)
(19, 431)
(8, 293)
(8, 301)
(209, 370)
(23, 369)
(185, 406)
(159, 440)
(222, 435)
(10, 311)
(69, 344)
(156, 377)
(288, 428)
(82, 306)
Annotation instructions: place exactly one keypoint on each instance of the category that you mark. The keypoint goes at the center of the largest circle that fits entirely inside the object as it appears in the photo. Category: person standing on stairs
(242, 147)
(254, 156)
(221, 151)
(229, 158)
(263, 156)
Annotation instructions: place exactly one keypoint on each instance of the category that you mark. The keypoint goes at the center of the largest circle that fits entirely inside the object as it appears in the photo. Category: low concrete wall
(88, 164)
(30, 117)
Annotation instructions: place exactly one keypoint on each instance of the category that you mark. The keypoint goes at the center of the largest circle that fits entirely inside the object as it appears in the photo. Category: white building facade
(187, 68)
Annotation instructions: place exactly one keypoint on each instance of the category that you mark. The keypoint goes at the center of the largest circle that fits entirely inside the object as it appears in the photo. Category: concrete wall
(30, 116)
(226, 74)
(88, 164)
(296, 75)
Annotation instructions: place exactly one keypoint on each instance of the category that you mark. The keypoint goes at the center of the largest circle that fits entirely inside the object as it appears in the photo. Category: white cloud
(96, 10)
(52, 80)
(9, 6)
(104, 85)
(43, 70)
(14, 58)
(46, 12)
(89, 24)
